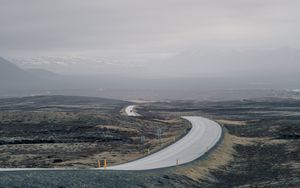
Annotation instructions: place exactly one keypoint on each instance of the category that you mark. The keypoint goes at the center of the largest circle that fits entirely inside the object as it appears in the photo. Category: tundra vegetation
(260, 146)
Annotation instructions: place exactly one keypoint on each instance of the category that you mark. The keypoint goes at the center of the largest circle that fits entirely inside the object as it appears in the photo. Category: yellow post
(105, 164)
(99, 164)
(148, 150)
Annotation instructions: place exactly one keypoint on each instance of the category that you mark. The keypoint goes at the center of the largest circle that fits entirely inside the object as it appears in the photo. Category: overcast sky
(148, 37)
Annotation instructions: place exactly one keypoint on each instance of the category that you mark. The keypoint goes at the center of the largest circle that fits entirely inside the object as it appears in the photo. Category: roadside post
(99, 164)
(105, 164)
(158, 134)
(177, 163)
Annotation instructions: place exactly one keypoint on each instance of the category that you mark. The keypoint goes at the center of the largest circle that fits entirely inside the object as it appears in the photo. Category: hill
(13, 78)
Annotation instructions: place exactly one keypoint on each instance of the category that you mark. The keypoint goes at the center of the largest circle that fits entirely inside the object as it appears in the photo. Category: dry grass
(231, 122)
(117, 128)
(113, 158)
(221, 156)
(217, 160)
(171, 121)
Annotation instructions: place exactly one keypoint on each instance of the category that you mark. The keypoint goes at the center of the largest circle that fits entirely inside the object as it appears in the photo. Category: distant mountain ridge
(9, 70)
(14, 78)
(11, 76)
(21, 82)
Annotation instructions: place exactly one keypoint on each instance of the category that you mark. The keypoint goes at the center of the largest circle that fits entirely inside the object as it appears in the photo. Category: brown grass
(171, 121)
(117, 128)
(231, 122)
(220, 157)
(113, 158)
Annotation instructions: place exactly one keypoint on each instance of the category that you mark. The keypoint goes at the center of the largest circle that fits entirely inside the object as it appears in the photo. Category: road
(203, 135)
(129, 110)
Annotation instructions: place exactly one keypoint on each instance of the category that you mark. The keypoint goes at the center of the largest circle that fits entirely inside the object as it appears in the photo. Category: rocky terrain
(62, 131)
(260, 148)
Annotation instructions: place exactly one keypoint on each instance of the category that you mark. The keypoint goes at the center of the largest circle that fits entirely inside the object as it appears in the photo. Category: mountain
(13, 78)
(16, 81)
(19, 82)
(9, 71)
(44, 74)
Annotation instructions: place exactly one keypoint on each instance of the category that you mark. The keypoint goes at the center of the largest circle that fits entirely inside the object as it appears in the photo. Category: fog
(253, 41)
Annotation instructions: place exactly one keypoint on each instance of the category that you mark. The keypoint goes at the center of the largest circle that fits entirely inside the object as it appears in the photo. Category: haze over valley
(133, 93)
(196, 46)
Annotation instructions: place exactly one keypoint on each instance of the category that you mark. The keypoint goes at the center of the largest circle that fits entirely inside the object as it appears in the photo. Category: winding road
(129, 110)
(203, 135)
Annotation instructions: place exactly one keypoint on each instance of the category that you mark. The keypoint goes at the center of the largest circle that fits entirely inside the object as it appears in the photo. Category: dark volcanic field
(273, 127)
(261, 148)
(58, 131)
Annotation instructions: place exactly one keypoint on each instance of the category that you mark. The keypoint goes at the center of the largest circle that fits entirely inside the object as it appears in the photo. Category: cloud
(125, 29)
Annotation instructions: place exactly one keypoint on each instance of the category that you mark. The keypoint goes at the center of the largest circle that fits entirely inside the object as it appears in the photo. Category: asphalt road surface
(203, 135)
(129, 110)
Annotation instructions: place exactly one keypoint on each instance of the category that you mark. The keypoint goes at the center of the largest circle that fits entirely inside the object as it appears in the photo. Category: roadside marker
(148, 151)
(105, 164)
(99, 164)
(177, 163)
